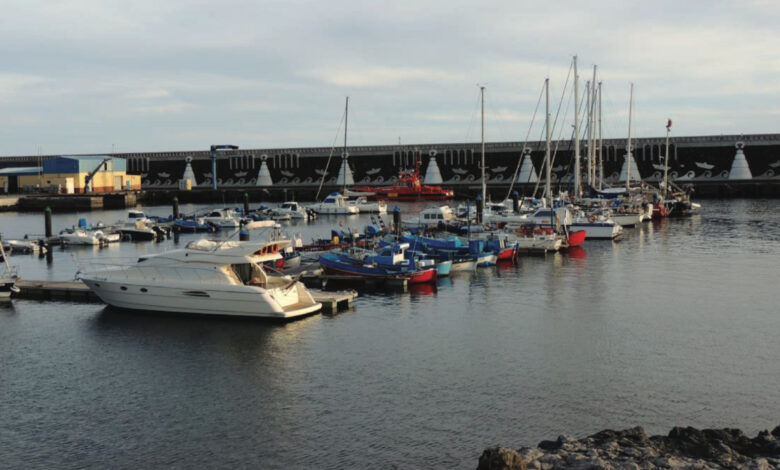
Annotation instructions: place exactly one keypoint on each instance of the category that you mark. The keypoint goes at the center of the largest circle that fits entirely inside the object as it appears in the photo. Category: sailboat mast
(589, 115)
(484, 186)
(577, 175)
(601, 144)
(666, 159)
(547, 156)
(628, 145)
(592, 148)
(344, 162)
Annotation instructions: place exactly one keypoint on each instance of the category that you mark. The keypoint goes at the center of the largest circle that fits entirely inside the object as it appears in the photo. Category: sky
(101, 76)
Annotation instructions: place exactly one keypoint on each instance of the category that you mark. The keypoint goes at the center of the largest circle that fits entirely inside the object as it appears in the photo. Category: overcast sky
(86, 76)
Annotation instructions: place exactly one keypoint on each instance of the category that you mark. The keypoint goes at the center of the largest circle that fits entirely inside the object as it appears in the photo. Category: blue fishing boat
(389, 261)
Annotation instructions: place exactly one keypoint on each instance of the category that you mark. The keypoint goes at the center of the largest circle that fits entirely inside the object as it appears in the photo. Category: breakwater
(682, 448)
(715, 166)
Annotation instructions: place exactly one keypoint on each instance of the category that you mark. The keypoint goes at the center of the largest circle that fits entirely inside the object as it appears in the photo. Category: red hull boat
(576, 238)
(408, 187)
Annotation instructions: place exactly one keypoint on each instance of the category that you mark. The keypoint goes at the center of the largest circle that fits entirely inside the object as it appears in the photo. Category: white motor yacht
(206, 277)
(335, 204)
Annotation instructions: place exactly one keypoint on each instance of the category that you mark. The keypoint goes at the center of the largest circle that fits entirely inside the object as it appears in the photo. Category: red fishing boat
(575, 238)
(408, 187)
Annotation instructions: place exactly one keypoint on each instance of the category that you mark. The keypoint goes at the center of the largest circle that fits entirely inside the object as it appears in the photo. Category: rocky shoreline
(632, 449)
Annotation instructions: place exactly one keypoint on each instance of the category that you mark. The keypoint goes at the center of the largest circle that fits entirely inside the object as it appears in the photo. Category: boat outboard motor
(515, 202)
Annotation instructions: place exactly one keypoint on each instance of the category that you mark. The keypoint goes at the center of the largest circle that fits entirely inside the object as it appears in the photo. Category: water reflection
(576, 252)
(423, 289)
(7, 308)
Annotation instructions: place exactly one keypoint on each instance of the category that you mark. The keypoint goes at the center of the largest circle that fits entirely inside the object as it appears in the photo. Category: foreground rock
(632, 449)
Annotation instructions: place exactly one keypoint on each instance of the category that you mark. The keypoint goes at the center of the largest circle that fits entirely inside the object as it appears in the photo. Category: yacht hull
(597, 230)
(627, 220)
(238, 301)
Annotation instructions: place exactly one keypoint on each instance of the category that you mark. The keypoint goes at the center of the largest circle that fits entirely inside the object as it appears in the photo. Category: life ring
(263, 251)
(273, 249)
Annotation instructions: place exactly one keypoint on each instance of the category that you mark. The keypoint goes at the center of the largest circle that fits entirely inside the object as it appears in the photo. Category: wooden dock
(55, 290)
(328, 281)
(332, 302)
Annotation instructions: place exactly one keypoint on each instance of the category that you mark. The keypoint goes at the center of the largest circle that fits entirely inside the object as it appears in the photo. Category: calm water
(675, 325)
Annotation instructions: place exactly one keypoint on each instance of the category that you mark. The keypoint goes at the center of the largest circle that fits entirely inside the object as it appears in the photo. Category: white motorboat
(223, 218)
(335, 204)
(291, 209)
(206, 277)
(8, 277)
(80, 236)
(138, 227)
(537, 242)
(627, 219)
(26, 247)
(430, 217)
(596, 227)
(463, 265)
(368, 207)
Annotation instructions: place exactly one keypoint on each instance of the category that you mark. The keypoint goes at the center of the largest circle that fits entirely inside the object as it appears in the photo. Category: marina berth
(207, 277)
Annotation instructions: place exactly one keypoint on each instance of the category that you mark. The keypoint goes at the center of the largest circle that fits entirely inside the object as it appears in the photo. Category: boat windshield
(210, 245)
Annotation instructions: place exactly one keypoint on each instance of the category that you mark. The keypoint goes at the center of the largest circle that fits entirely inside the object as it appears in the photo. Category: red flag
(669, 124)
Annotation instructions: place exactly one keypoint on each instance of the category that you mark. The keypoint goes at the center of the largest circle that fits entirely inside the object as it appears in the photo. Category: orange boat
(408, 187)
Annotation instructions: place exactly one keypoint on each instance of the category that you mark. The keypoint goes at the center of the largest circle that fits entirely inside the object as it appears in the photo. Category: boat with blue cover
(386, 262)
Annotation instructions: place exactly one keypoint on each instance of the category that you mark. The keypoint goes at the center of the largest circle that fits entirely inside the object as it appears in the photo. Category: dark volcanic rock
(632, 449)
(501, 458)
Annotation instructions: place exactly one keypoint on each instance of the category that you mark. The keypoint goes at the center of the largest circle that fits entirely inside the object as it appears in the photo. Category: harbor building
(71, 175)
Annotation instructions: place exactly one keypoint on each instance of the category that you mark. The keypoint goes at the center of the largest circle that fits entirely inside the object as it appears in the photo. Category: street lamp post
(214, 149)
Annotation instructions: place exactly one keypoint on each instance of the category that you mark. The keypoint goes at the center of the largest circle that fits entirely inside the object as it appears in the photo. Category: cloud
(148, 75)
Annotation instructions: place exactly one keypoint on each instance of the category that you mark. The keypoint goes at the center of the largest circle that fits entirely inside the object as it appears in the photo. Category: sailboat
(336, 203)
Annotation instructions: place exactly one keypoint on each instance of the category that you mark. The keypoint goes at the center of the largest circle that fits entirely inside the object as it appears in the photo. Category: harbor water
(674, 325)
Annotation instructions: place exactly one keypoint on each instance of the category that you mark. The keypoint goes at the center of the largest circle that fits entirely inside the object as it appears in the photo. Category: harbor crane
(88, 178)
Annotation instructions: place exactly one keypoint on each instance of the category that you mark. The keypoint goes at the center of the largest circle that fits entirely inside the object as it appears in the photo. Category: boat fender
(273, 249)
(263, 251)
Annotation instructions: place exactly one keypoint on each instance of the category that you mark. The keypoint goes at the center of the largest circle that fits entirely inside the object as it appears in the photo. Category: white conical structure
(634, 171)
(739, 167)
(264, 174)
(527, 170)
(344, 174)
(188, 175)
(432, 173)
